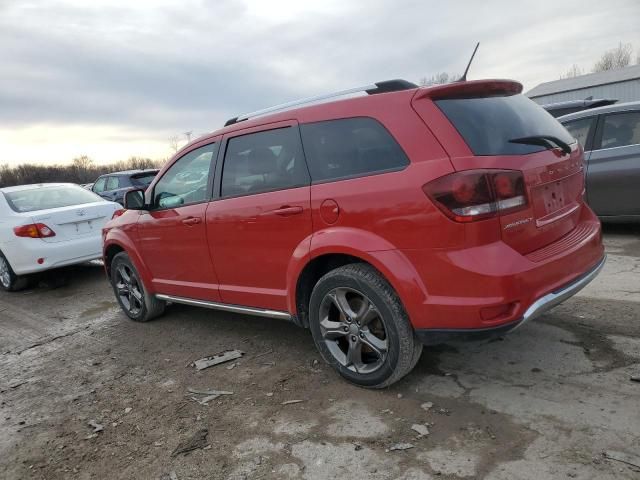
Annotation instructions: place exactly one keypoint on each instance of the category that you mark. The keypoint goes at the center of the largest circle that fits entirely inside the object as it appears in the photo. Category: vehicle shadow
(71, 276)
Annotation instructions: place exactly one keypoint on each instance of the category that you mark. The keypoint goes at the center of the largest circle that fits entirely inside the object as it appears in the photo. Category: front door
(262, 218)
(173, 235)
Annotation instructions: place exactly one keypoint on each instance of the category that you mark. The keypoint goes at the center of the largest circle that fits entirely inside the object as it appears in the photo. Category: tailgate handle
(192, 221)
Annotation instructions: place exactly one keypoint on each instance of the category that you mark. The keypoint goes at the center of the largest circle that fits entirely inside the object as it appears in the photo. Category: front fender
(370, 248)
(120, 237)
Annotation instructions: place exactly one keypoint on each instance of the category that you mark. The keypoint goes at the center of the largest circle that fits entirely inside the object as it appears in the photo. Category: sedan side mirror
(134, 200)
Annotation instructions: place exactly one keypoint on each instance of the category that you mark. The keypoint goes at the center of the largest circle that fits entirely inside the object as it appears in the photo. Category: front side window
(621, 129)
(262, 162)
(350, 147)
(113, 183)
(187, 180)
(580, 129)
(99, 185)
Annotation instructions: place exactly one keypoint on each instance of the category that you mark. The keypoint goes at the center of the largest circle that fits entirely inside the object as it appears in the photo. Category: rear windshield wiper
(547, 141)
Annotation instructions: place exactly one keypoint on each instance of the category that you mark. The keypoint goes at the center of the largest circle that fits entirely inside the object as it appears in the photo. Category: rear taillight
(117, 213)
(34, 230)
(478, 194)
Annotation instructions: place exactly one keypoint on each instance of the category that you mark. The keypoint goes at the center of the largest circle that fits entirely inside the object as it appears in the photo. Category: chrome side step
(259, 312)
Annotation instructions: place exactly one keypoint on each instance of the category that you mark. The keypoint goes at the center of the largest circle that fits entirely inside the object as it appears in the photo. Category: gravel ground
(545, 402)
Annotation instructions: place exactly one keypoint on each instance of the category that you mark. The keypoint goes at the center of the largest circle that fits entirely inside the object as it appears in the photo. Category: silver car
(610, 137)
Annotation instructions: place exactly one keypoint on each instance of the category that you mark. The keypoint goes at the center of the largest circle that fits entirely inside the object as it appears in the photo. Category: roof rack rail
(378, 87)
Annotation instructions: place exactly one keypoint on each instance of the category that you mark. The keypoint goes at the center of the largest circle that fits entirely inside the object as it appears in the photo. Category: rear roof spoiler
(470, 89)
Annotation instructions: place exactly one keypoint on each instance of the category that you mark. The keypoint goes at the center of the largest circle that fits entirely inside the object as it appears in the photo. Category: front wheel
(360, 327)
(133, 298)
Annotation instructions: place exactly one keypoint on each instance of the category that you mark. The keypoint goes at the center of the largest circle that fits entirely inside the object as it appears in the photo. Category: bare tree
(439, 79)
(618, 57)
(173, 143)
(574, 71)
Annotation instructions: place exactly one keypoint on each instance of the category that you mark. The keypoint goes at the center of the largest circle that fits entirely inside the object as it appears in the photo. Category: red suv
(383, 221)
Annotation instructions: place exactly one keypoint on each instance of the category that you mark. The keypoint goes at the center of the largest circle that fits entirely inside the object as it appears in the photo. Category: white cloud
(163, 66)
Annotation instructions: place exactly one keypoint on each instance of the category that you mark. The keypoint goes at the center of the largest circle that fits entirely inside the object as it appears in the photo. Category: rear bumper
(23, 255)
(537, 308)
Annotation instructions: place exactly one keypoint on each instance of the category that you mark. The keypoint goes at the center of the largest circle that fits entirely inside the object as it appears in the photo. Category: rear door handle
(192, 221)
(286, 211)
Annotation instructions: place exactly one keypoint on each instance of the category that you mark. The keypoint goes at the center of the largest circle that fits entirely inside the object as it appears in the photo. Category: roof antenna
(463, 78)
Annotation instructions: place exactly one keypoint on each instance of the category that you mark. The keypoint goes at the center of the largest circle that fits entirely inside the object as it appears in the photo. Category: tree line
(81, 170)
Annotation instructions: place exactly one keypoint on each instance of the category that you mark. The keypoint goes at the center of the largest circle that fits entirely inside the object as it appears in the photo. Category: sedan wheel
(5, 273)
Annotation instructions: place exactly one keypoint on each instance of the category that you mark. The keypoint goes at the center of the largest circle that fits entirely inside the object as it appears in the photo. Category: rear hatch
(75, 221)
(489, 125)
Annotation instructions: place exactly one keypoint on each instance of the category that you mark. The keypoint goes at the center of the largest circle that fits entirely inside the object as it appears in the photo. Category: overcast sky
(112, 78)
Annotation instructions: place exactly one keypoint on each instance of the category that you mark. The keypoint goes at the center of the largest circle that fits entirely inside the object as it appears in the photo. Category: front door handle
(286, 211)
(192, 221)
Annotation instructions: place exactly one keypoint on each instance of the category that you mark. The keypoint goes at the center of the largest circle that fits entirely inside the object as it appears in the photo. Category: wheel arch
(334, 250)
(115, 244)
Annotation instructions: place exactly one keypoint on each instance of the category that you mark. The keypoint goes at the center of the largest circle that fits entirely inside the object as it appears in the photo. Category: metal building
(622, 84)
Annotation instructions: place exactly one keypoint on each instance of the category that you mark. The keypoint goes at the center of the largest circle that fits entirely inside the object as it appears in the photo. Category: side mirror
(134, 200)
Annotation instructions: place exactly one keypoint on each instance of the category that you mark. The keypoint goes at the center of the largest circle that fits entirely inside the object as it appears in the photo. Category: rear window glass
(350, 147)
(43, 198)
(488, 123)
(143, 179)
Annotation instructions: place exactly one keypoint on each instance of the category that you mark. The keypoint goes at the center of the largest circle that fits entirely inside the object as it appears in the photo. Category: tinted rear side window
(581, 129)
(350, 147)
(488, 123)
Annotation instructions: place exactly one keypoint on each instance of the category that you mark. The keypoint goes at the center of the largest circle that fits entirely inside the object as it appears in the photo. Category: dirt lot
(544, 402)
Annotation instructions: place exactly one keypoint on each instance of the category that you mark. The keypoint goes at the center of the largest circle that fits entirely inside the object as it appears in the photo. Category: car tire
(369, 340)
(9, 281)
(134, 299)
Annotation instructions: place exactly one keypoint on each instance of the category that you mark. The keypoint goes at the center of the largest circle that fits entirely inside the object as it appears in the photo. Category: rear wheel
(133, 298)
(360, 327)
(9, 281)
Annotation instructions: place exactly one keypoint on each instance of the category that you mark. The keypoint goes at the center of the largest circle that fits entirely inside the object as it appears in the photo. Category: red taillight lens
(117, 213)
(477, 194)
(34, 230)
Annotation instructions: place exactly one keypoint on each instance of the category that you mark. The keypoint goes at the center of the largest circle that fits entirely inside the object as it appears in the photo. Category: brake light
(34, 230)
(117, 213)
(473, 195)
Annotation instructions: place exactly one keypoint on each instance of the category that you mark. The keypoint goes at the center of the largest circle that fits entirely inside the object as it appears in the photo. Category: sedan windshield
(43, 198)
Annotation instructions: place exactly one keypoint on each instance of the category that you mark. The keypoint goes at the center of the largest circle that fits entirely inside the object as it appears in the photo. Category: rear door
(613, 176)
(478, 126)
(262, 217)
(172, 234)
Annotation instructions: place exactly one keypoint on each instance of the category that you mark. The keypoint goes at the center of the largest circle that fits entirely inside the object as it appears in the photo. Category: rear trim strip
(259, 312)
(552, 299)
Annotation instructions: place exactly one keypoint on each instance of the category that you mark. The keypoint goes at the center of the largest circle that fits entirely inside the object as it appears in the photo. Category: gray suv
(610, 137)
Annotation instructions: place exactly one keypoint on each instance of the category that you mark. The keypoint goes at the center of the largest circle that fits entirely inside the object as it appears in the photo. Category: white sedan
(47, 226)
